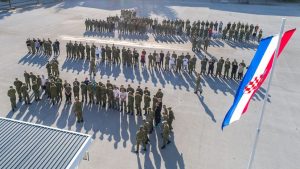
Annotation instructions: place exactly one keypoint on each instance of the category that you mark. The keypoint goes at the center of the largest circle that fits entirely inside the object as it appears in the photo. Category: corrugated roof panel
(29, 146)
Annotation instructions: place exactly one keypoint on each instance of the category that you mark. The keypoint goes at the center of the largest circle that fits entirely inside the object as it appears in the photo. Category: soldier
(130, 103)
(27, 79)
(211, 65)
(36, 91)
(138, 101)
(110, 96)
(171, 117)
(167, 61)
(206, 44)
(91, 92)
(203, 65)
(48, 66)
(88, 51)
(159, 94)
(198, 85)
(68, 49)
(68, 92)
(234, 67)
(78, 110)
(150, 60)
(32, 77)
(140, 139)
(18, 85)
(59, 86)
(165, 134)
(76, 89)
(154, 101)
(130, 89)
(53, 93)
(219, 67)
(150, 118)
(55, 69)
(39, 81)
(25, 95)
(193, 63)
(103, 95)
(92, 67)
(12, 96)
(98, 93)
(178, 64)
(227, 67)
(83, 88)
(82, 50)
(139, 90)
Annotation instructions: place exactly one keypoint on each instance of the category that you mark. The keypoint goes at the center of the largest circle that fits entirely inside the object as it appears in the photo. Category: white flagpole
(266, 97)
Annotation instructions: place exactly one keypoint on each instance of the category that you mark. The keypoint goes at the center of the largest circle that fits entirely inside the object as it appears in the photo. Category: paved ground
(198, 141)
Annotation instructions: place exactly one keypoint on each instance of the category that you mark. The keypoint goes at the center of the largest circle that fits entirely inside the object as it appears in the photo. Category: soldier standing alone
(12, 96)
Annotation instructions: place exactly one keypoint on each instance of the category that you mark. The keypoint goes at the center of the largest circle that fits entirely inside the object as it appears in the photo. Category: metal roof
(25, 145)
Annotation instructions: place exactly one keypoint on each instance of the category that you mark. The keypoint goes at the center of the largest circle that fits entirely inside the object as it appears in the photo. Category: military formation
(223, 68)
(124, 99)
(241, 32)
(43, 47)
(199, 31)
(110, 55)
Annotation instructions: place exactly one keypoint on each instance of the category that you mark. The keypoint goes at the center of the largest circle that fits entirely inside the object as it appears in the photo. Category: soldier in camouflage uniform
(138, 101)
(12, 96)
(25, 95)
(18, 85)
(130, 103)
(83, 88)
(140, 135)
(219, 67)
(165, 134)
(90, 90)
(227, 67)
(27, 79)
(36, 91)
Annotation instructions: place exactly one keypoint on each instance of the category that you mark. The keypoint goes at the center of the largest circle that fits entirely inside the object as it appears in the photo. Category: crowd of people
(43, 47)
(131, 57)
(198, 30)
(108, 96)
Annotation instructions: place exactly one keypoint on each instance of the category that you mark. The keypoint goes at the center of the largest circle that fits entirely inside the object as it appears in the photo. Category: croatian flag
(258, 71)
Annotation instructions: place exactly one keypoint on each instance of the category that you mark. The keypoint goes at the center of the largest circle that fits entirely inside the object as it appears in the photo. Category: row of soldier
(97, 93)
(236, 68)
(44, 47)
(242, 33)
(128, 57)
(198, 29)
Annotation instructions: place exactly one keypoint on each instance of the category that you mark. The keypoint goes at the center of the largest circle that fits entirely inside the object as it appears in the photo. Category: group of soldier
(127, 57)
(241, 32)
(43, 47)
(236, 68)
(198, 30)
(147, 127)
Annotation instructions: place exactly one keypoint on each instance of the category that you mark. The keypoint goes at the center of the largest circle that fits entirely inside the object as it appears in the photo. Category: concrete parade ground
(197, 141)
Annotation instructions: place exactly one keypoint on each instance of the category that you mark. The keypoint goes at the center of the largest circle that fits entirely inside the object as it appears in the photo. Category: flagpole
(266, 97)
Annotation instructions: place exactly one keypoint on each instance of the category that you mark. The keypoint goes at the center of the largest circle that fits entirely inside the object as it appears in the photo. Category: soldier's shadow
(38, 60)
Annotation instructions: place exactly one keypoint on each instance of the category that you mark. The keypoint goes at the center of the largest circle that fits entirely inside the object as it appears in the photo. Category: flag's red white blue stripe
(258, 71)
